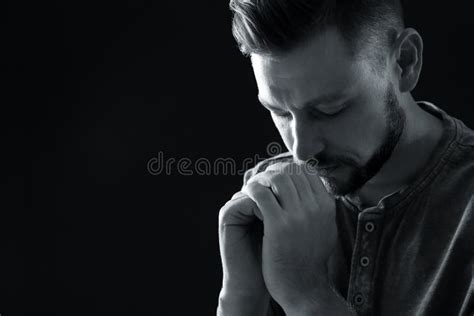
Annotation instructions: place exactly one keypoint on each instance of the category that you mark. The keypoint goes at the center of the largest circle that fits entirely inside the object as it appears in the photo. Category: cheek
(358, 132)
(284, 128)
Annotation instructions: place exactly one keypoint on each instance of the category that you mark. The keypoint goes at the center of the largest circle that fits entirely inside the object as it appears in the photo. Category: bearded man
(370, 210)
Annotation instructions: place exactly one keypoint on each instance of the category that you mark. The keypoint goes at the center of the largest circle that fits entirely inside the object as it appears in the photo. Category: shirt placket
(360, 291)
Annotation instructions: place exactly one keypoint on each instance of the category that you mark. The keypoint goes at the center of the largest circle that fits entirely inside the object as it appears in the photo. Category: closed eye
(328, 114)
(332, 113)
(317, 113)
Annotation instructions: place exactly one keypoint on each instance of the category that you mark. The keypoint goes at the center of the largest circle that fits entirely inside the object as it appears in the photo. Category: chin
(338, 184)
(333, 186)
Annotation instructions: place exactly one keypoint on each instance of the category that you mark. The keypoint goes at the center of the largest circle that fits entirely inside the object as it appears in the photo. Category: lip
(327, 167)
(326, 170)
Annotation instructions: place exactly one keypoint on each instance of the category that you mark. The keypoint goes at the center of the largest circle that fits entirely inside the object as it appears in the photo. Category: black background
(93, 91)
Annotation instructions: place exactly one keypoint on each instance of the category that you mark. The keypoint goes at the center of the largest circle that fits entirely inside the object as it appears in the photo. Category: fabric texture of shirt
(412, 253)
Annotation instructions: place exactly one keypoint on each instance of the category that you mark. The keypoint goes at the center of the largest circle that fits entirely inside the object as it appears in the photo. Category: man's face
(330, 107)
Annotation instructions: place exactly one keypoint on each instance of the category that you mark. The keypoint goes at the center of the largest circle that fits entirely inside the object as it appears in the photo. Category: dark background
(93, 91)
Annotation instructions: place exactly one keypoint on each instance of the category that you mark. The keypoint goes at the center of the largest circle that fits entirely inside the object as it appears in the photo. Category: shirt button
(369, 227)
(358, 299)
(364, 261)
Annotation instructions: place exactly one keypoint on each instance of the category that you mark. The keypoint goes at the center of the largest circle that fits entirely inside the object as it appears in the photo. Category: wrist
(240, 302)
(322, 300)
(243, 289)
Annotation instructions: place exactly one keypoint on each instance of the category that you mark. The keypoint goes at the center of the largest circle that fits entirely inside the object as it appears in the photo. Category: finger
(238, 195)
(301, 183)
(315, 182)
(281, 186)
(252, 209)
(278, 166)
(239, 211)
(278, 175)
(286, 185)
(265, 200)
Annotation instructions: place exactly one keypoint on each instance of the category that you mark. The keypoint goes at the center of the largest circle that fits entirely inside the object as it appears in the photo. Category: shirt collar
(394, 200)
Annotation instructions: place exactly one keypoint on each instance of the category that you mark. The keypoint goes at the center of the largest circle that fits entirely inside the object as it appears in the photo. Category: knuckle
(286, 168)
(251, 184)
(232, 207)
(226, 210)
(278, 166)
(260, 191)
(254, 187)
(276, 177)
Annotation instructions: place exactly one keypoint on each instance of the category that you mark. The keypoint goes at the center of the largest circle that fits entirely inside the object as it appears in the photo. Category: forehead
(322, 65)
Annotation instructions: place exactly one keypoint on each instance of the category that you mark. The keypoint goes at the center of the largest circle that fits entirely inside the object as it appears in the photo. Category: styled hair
(277, 26)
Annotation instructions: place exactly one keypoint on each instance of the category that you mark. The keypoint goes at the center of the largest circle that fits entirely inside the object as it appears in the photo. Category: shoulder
(465, 135)
(264, 164)
(461, 159)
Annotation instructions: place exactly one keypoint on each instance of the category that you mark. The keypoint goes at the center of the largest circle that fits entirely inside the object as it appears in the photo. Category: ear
(408, 51)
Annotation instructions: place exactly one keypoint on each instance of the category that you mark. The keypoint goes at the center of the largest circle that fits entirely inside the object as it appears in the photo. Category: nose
(307, 142)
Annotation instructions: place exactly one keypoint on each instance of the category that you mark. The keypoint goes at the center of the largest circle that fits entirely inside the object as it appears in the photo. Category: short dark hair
(277, 26)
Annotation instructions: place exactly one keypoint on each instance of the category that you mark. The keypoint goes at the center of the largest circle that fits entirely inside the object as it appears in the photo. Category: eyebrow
(314, 103)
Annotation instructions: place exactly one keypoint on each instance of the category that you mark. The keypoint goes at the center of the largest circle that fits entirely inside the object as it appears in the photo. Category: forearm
(231, 304)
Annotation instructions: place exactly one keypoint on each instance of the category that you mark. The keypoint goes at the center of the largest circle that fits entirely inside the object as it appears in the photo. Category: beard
(360, 174)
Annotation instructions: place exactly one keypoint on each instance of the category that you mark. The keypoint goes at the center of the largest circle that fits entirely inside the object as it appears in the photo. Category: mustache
(324, 161)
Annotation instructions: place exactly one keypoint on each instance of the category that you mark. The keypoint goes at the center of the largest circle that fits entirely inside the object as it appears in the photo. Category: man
(370, 211)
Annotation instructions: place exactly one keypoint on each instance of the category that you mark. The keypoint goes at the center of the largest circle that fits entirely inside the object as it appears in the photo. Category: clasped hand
(299, 229)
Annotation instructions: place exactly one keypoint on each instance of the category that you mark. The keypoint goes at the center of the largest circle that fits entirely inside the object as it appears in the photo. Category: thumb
(254, 208)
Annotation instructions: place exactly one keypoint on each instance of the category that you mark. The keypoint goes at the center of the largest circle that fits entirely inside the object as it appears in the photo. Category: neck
(420, 136)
